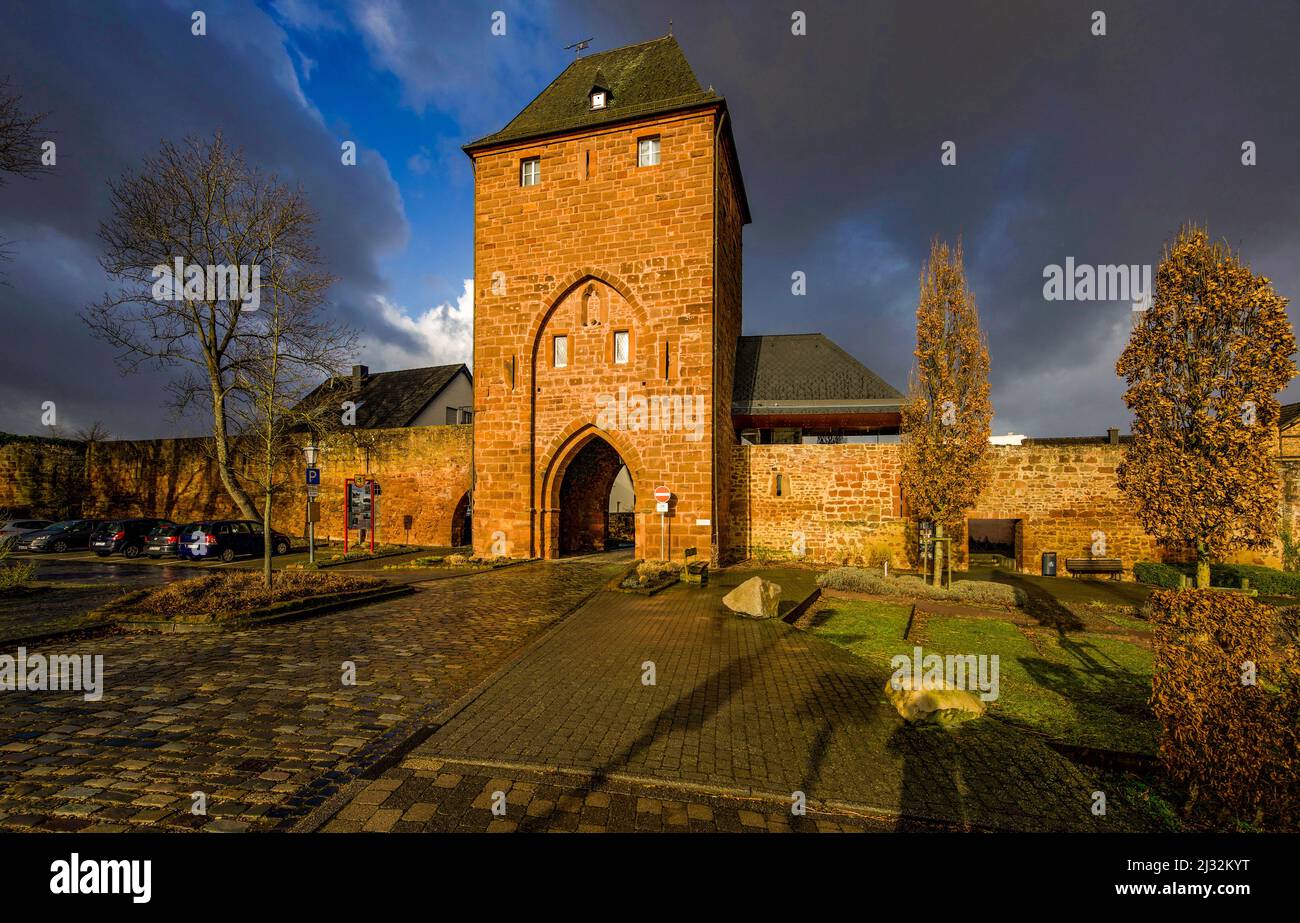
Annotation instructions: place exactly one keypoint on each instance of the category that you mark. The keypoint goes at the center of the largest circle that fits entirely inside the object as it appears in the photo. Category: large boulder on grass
(931, 704)
(756, 598)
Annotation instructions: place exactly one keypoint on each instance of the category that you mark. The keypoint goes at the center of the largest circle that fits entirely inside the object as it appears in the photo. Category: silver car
(12, 528)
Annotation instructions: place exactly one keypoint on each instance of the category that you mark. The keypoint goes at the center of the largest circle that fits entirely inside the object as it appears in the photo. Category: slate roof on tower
(649, 78)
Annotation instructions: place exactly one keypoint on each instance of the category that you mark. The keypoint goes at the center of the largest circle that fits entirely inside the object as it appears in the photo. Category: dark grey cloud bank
(116, 79)
(1068, 145)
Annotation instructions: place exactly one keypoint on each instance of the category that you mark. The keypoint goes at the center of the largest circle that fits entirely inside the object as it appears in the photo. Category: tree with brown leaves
(1204, 365)
(946, 418)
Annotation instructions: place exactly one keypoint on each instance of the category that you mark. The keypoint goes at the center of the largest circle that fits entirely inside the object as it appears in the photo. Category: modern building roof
(387, 400)
(805, 373)
(646, 79)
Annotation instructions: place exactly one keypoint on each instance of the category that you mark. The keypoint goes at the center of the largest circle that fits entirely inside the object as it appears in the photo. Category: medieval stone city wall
(841, 504)
(41, 478)
(424, 473)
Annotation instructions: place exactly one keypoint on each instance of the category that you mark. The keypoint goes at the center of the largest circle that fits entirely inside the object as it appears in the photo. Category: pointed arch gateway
(571, 515)
(574, 483)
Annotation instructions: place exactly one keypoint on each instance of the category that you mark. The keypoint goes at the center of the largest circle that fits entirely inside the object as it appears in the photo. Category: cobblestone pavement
(429, 796)
(754, 707)
(259, 720)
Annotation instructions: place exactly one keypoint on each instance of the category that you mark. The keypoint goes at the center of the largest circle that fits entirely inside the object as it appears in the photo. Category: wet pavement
(263, 721)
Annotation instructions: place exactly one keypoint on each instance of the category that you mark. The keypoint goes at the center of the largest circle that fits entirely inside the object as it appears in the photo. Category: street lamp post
(310, 451)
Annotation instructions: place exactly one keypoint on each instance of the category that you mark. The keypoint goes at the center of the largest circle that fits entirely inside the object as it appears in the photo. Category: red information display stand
(359, 508)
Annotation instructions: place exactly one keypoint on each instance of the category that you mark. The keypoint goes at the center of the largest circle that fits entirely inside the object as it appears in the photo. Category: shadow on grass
(1040, 604)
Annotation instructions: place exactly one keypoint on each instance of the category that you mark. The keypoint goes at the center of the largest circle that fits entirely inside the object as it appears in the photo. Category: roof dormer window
(598, 95)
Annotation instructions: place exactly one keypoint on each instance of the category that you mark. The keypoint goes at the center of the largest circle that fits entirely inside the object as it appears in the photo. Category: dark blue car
(226, 539)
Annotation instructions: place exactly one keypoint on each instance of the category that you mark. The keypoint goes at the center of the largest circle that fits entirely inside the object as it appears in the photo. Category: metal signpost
(662, 496)
(313, 512)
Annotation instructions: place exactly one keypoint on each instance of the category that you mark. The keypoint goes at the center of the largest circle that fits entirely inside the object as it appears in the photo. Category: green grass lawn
(1080, 688)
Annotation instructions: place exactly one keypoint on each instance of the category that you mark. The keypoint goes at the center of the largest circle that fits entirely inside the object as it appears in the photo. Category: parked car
(227, 539)
(13, 528)
(129, 536)
(165, 541)
(69, 535)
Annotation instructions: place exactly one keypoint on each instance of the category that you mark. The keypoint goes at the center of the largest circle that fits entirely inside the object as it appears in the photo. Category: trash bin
(1049, 563)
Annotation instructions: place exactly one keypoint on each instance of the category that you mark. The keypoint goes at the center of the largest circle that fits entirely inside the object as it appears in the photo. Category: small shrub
(14, 574)
(222, 595)
(863, 580)
(879, 555)
(1236, 743)
(854, 580)
(649, 573)
(986, 593)
(1153, 573)
(1290, 551)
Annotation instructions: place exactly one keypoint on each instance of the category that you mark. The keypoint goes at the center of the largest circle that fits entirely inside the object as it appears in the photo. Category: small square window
(560, 352)
(530, 171)
(598, 99)
(620, 346)
(647, 152)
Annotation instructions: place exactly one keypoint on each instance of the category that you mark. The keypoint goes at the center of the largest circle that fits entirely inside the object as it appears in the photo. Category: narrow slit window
(647, 152)
(560, 354)
(620, 347)
(780, 485)
(530, 171)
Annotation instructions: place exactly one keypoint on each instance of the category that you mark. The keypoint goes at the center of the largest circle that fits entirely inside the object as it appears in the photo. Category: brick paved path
(430, 796)
(752, 707)
(259, 720)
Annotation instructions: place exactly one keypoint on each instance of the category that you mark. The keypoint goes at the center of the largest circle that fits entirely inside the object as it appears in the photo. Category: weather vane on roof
(577, 47)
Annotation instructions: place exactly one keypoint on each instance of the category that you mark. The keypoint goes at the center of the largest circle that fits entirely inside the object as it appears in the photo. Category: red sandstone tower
(607, 272)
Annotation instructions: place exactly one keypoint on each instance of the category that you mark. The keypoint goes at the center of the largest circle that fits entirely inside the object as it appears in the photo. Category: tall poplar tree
(947, 414)
(1204, 365)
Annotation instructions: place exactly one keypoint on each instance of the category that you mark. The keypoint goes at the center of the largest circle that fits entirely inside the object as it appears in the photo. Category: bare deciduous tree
(202, 204)
(19, 144)
(285, 350)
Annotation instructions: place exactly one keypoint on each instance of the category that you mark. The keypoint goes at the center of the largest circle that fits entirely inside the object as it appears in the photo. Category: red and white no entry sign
(663, 494)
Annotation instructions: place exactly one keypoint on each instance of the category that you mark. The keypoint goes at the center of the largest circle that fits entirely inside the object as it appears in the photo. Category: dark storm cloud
(1068, 144)
(116, 80)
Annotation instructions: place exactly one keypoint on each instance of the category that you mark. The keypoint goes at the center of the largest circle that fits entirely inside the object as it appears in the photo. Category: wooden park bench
(1112, 566)
(694, 571)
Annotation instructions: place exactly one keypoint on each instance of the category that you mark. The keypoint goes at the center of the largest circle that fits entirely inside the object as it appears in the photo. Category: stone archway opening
(594, 480)
(994, 542)
(462, 523)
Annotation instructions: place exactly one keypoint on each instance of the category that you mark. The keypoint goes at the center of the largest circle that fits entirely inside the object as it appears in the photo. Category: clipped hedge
(875, 583)
(1269, 581)
(1237, 743)
(1153, 573)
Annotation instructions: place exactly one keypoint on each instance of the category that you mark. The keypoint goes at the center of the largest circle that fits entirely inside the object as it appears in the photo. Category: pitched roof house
(434, 396)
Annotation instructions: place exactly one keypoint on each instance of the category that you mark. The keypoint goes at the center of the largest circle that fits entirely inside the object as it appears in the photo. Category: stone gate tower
(607, 307)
